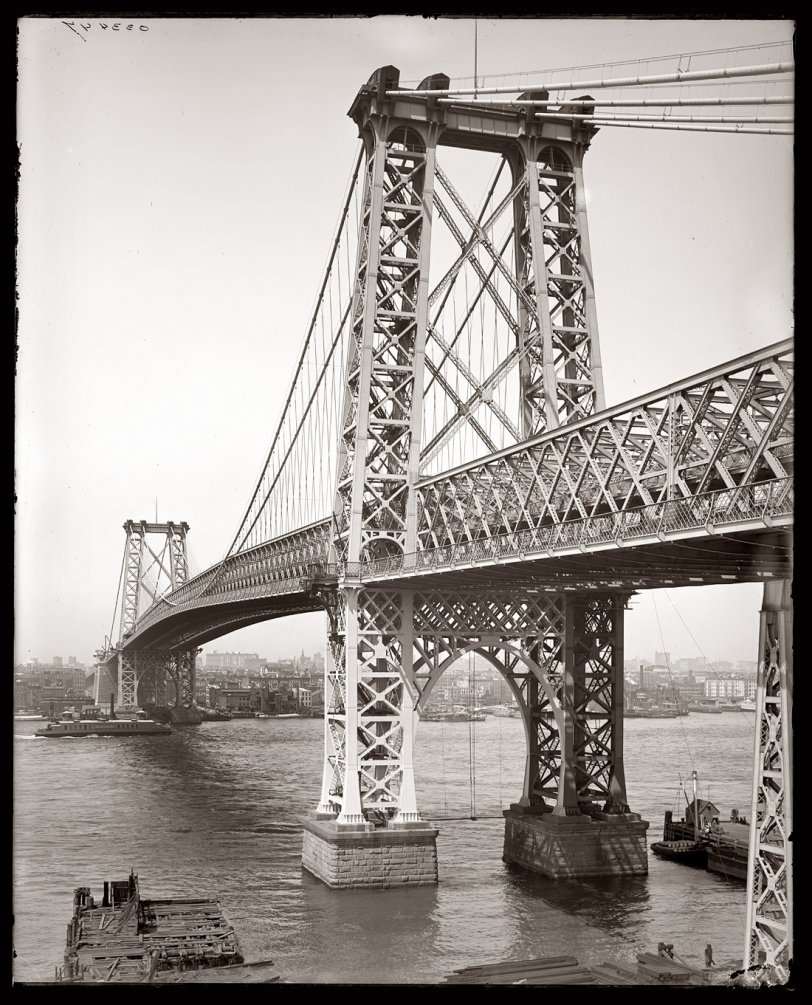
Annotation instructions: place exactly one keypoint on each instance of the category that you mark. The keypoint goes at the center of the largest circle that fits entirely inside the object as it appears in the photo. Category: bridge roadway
(688, 485)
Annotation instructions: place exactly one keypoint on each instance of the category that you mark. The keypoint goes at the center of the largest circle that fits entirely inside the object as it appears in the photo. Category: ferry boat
(747, 706)
(133, 723)
(712, 706)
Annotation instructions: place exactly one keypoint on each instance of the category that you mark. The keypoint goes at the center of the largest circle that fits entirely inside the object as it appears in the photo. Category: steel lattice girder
(730, 429)
(381, 424)
(597, 669)
(562, 657)
(363, 707)
(182, 669)
(552, 248)
(135, 666)
(127, 681)
(130, 594)
(769, 937)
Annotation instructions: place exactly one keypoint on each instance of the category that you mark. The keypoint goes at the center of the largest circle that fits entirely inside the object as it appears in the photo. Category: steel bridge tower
(560, 652)
(149, 570)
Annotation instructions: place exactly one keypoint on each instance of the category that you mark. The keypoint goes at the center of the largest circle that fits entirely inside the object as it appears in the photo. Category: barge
(127, 939)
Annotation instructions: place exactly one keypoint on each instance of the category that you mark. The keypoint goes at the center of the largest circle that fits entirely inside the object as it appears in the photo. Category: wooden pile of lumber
(553, 970)
(650, 969)
(655, 969)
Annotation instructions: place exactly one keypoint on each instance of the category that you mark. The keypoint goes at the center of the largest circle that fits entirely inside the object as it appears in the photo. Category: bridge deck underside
(717, 559)
(185, 629)
(729, 558)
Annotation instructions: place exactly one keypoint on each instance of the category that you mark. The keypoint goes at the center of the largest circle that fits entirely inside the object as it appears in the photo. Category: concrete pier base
(347, 858)
(562, 847)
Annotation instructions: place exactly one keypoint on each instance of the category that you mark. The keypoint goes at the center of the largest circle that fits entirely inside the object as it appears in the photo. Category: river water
(216, 809)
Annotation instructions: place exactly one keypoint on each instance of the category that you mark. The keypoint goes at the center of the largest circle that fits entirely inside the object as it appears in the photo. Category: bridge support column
(367, 831)
(126, 696)
(143, 676)
(139, 670)
(590, 830)
(769, 872)
(182, 668)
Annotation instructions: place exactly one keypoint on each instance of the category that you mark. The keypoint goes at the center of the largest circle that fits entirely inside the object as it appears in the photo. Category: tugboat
(700, 839)
(682, 842)
(132, 723)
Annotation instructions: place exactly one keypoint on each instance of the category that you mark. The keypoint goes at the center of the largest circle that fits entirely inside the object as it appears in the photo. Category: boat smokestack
(112, 705)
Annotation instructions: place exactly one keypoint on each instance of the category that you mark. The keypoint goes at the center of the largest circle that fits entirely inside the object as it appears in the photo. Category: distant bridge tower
(560, 653)
(151, 569)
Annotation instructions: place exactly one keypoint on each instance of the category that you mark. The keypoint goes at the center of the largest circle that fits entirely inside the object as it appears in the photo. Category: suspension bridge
(447, 478)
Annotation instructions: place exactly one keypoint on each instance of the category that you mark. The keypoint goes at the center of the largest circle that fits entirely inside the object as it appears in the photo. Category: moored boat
(682, 842)
(649, 712)
(700, 839)
(706, 706)
(684, 852)
(503, 711)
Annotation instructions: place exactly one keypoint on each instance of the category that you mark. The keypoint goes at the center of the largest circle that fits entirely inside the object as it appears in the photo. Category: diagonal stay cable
(327, 274)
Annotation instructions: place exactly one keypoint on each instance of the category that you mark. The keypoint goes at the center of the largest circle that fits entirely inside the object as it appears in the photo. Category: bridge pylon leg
(367, 830)
(182, 668)
(589, 830)
(769, 872)
(127, 691)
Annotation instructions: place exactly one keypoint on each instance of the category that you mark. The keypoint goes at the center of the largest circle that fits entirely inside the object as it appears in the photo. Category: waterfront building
(724, 687)
(232, 661)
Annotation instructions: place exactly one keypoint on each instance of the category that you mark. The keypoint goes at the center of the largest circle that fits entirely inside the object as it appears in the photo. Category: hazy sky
(180, 183)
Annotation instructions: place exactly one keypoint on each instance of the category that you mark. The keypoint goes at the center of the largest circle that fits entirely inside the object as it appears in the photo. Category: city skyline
(630, 662)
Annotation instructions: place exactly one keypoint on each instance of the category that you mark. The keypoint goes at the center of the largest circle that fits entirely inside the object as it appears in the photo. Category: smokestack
(112, 705)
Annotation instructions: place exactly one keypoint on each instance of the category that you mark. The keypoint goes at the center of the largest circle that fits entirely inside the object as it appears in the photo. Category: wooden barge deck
(129, 939)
